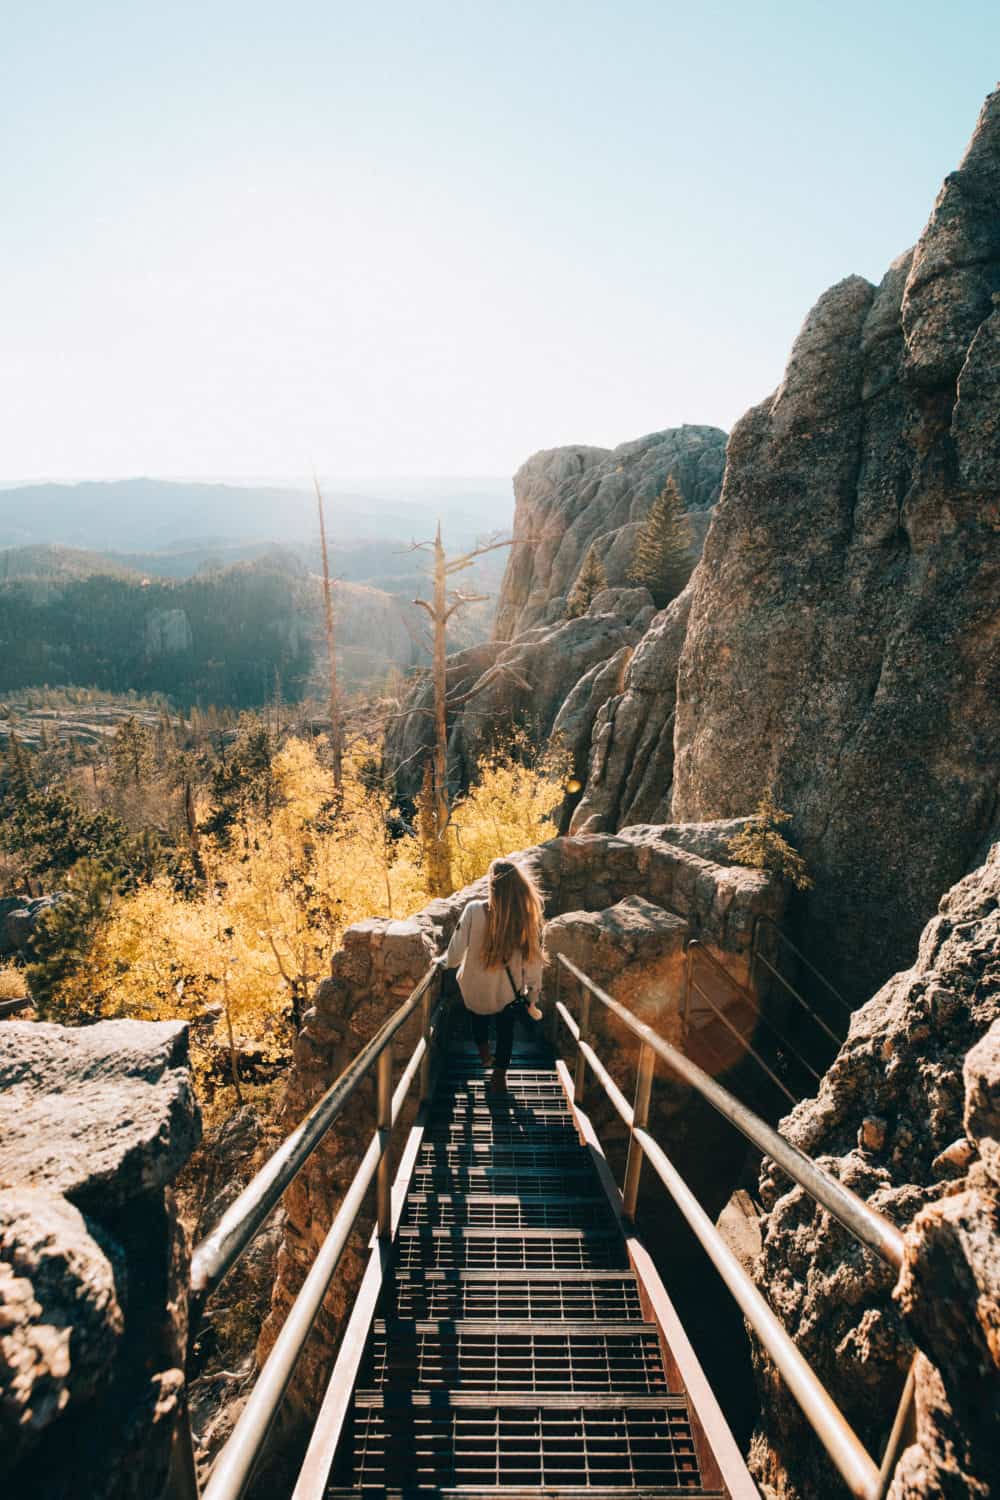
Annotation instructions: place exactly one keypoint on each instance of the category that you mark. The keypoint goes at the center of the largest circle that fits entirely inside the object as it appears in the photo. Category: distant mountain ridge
(150, 515)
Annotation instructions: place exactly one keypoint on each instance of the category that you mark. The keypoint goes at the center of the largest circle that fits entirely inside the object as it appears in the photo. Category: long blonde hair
(514, 914)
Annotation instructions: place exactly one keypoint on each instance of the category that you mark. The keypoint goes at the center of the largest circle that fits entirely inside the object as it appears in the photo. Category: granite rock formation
(545, 672)
(631, 759)
(907, 1116)
(843, 643)
(525, 684)
(95, 1122)
(568, 499)
(19, 916)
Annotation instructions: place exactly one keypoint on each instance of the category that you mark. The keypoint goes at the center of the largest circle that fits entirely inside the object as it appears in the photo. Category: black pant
(480, 1028)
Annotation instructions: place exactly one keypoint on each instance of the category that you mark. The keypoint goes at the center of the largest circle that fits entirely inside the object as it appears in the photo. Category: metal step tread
(501, 1157)
(543, 1358)
(431, 1440)
(506, 1181)
(493, 1210)
(527, 1492)
(522, 1249)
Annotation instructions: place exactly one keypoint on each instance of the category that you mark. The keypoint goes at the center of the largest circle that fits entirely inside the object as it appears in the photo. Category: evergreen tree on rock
(662, 560)
(590, 581)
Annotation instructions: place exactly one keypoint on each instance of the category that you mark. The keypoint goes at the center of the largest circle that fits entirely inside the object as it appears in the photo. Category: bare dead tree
(444, 605)
(336, 716)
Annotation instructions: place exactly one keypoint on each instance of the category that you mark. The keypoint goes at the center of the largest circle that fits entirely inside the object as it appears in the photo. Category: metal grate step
(537, 1357)
(497, 1212)
(539, 1158)
(502, 1133)
(580, 1182)
(526, 1249)
(417, 1443)
(598, 1296)
(497, 1109)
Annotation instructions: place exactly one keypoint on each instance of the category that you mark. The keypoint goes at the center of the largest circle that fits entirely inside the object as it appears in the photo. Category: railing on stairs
(701, 963)
(758, 958)
(865, 1478)
(221, 1249)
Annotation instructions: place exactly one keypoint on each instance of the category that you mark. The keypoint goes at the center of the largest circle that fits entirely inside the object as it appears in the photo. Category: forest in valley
(223, 637)
(205, 869)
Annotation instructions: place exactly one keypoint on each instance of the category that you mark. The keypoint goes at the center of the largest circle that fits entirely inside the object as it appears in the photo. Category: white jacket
(487, 991)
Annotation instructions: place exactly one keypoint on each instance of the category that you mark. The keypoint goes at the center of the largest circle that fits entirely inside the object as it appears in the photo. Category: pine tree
(62, 940)
(590, 581)
(662, 560)
(131, 753)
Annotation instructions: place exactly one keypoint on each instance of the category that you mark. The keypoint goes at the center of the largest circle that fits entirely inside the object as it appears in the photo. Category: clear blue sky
(430, 238)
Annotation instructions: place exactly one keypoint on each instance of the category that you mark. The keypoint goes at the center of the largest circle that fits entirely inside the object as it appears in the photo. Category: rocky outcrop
(568, 499)
(622, 903)
(630, 764)
(167, 632)
(907, 1117)
(19, 916)
(523, 684)
(95, 1122)
(842, 639)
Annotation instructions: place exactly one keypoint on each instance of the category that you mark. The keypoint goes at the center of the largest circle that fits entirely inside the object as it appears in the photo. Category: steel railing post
(580, 1073)
(383, 1182)
(640, 1119)
(425, 1031)
(182, 1476)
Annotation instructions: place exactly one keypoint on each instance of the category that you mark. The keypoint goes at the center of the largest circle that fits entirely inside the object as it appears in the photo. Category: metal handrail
(865, 1223)
(695, 946)
(866, 1479)
(219, 1251)
(747, 996)
(222, 1247)
(756, 954)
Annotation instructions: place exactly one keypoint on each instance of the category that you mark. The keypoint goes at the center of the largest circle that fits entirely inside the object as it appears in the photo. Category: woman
(497, 947)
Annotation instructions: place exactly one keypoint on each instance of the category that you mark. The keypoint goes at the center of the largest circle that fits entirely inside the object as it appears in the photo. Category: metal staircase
(511, 1336)
(510, 1351)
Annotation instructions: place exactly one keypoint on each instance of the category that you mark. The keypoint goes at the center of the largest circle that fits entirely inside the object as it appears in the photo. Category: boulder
(841, 640)
(93, 1291)
(167, 632)
(60, 1317)
(100, 1113)
(567, 499)
(982, 1100)
(19, 916)
(634, 950)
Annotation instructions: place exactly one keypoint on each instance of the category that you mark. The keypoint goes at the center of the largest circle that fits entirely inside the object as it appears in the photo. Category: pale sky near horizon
(244, 239)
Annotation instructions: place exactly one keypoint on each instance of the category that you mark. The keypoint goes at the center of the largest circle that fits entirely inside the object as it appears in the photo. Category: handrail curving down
(222, 1247)
(219, 1251)
(865, 1223)
(865, 1479)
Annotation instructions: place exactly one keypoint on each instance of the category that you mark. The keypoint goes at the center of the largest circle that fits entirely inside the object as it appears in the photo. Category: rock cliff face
(840, 638)
(95, 1123)
(550, 674)
(525, 683)
(631, 761)
(909, 1117)
(844, 636)
(569, 498)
